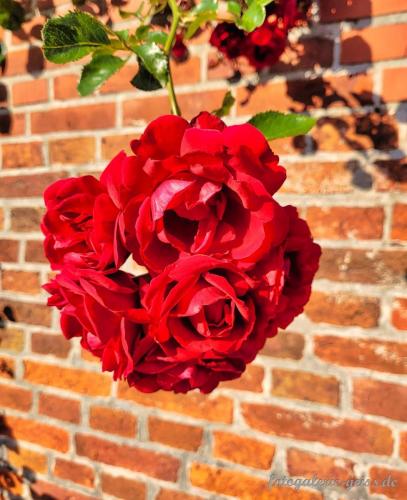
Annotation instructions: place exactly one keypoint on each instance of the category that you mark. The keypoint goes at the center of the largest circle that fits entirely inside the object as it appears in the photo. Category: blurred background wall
(325, 397)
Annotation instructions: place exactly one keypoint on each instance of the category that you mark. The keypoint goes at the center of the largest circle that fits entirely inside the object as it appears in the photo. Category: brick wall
(327, 396)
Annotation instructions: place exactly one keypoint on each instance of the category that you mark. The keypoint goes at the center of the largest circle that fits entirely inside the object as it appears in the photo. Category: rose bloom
(197, 188)
(79, 225)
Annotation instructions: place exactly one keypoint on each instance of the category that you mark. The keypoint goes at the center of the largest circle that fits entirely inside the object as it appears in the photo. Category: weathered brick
(11, 339)
(399, 314)
(112, 144)
(75, 472)
(286, 345)
(240, 485)
(305, 385)
(148, 462)
(65, 409)
(25, 60)
(8, 250)
(50, 344)
(218, 408)
(393, 88)
(340, 223)
(366, 45)
(34, 251)
(390, 175)
(403, 446)
(187, 437)
(243, 450)
(251, 380)
(86, 117)
(76, 150)
(389, 482)
(365, 353)
(24, 219)
(166, 494)
(29, 459)
(121, 487)
(42, 489)
(88, 383)
(30, 92)
(186, 72)
(65, 87)
(21, 281)
(7, 367)
(15, 397)
(112, 421)
(32, 314)
(27, 186)
(28, 154)
(45, 435)
(383, 267)
(305, 464)
(399, 227)
(354, 435)
(343, 309)
(380, 398)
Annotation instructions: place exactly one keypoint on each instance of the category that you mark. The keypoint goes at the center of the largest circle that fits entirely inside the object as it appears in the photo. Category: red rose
(228, 39)
(95, 307)
(198, 188)
(209, 322)
(301, 259)
(179, 51)
(80, 225)
(264, 45)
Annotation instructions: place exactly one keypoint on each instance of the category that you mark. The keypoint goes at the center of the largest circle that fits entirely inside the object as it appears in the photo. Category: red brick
(286, 345)
(366, 45)
(240, 485)
(22, 61)
(353, 435)
(8, 250)
(147, 462)
(389, 482)
(399, 315)
(340, 223)
(304, 464)
(383, 267)
(25, 219)
(403, 446)
(399, 227)
(365, 353)
(339, 10)
(34, 251)
(11, 339)
(393, 88)
(50, 344)
(175, 495)
(27, 154)
(88, 383)
(380, 398)
(243, 450)
(65, 409)
(123, 488)
(7, 367)
(120, 81)
(186, 72)
(32, 314)
(112, 144)
(21, 281)
(30, 92)
(318, 178)
(15, 397)
(12, 124)
(343, 309)
(29, 459)
(112, 421)
(42, 489)
(72, 471)
(305, 385)
(77, 150)
(390, 175)
(217, 409)
(187, 437)
(306, 53)
(65, 87)
(45, 435)
(85, 117)
(251, 380)
(27, 185)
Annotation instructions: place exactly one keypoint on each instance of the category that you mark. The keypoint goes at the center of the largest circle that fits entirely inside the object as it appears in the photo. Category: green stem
(167, 49)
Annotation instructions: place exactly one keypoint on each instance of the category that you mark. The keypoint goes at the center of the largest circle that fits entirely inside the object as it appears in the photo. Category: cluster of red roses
(226, 265)
(263, 46)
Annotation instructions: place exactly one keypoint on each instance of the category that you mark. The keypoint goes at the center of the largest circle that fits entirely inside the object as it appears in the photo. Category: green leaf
(227, 104)
(206, 6)
(202, 18)
(275, 125)
(234, 8)
(12, 15)
(158, 37)
(154, 61)
(123, 35)
(253, 17)
(72, 37)
(144, 80)
(102, 67)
